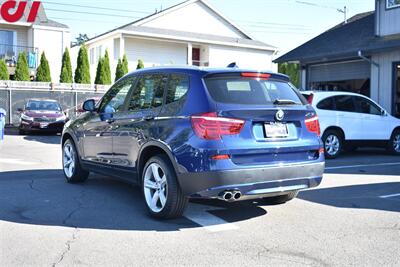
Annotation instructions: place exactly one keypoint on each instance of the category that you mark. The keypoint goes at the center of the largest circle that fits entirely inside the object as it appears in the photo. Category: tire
(333, 143)
(72, 169)
(394, 143)
(282, 199)
(159, 178)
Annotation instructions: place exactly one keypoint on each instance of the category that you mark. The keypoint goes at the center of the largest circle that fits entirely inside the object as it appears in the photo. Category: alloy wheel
(396, 143)
(332, 145)
(155, 187)
(69, 160)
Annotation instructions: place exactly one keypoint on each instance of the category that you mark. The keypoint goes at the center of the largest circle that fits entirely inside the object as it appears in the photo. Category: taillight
(211, 127)
(256, 75)
(310, 99)
(312, 125)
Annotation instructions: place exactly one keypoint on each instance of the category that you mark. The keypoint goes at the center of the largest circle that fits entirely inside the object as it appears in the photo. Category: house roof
(343, 41)
(135, 27)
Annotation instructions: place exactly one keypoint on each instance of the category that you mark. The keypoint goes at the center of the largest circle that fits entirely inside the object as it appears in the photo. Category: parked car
(349, 121)
(184, 133)
(42, 115)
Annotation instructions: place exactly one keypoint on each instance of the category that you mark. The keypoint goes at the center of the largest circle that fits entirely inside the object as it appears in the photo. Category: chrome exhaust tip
(228, 196)
(237, 195)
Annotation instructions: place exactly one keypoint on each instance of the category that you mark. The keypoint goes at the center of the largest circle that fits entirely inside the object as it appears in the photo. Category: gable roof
(136, 27)
(343, 41)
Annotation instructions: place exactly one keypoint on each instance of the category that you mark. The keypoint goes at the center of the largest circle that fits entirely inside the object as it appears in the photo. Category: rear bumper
(271, 180)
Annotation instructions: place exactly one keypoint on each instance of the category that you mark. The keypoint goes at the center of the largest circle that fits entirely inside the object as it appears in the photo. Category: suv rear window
(250, 91)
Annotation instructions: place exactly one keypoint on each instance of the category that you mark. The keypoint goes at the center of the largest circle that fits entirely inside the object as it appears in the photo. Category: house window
(92, 56)
(392, 3)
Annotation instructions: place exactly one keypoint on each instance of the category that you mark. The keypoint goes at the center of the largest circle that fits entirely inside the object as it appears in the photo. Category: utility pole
(344, 11)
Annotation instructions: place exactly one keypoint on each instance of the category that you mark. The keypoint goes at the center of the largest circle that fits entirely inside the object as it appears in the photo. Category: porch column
(189, 54)
(121, 46)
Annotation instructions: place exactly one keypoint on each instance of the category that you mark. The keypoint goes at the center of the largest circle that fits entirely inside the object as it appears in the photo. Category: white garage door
(156, 53)
(351, 70)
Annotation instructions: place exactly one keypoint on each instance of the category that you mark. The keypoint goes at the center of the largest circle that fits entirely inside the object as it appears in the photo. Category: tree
(43, 71)
(99, 70)
(119, 72)
(292, 70)
(103, 72)
(66, 69)
(125, 65)
(140, 64)
(106, 69)
(22, 68)
(4, 75)
(81, 39)
(82, 72)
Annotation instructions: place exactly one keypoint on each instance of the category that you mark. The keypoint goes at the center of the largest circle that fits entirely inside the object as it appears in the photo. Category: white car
(351, 120)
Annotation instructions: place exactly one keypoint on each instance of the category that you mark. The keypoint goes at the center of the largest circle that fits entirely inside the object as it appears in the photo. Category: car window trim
(371, 103)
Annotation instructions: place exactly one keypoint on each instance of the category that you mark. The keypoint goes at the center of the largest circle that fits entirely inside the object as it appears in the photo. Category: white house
(190, 33)
(34, 38)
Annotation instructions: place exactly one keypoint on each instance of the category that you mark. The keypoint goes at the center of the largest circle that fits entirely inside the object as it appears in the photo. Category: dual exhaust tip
(230, 196)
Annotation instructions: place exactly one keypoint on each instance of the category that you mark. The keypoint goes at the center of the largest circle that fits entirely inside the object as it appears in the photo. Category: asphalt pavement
(353, 218)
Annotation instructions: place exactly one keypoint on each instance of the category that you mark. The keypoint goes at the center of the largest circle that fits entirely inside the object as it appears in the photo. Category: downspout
(373, 63)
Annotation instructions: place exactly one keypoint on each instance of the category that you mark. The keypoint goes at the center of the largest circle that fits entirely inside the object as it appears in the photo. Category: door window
(178, 86)
(148, 93)
(327, 104)
(367, 107)
(114, 100)
(345, 103)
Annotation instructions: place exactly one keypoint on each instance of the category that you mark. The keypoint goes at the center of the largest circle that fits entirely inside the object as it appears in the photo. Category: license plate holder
(276, 130)
(43, 125)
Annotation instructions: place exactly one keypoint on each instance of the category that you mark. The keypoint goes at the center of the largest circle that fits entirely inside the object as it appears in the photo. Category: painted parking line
(16, 162)
(199, 214)
(363, 166)
(390, 196)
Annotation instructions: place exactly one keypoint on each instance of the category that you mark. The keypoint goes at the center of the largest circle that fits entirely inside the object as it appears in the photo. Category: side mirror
(89, 105)
(383, 112)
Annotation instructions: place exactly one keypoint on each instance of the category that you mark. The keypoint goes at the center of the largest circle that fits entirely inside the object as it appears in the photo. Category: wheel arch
(151, 149)
(336, 128)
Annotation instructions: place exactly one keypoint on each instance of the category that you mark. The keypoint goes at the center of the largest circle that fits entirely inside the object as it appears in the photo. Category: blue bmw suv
(183, 133)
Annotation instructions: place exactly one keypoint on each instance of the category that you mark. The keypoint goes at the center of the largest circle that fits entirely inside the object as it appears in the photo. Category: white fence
(14, 95)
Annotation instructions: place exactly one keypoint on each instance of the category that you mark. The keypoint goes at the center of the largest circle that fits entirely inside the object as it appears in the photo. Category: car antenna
(233, 65)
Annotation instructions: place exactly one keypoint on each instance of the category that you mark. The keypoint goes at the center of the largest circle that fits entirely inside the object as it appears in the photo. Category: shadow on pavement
(42, 197)
(368, 161)
(44, 138)
(366, 196)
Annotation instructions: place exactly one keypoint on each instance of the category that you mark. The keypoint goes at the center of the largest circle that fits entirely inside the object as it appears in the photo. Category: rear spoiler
(249, 74)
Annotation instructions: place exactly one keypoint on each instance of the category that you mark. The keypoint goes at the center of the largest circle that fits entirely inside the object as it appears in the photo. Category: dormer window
(392, 4)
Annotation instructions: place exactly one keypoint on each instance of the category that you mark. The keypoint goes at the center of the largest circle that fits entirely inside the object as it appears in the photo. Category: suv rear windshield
(251, 91)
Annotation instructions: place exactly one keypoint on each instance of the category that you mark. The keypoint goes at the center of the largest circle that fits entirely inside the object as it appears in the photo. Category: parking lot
(353, 218)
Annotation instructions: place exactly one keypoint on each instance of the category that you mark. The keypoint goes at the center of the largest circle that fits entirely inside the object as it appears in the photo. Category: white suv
(351, 120)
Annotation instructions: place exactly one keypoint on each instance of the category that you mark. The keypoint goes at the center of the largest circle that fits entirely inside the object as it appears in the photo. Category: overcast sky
(281, 23)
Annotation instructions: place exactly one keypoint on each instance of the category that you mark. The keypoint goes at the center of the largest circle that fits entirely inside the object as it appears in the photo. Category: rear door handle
(149, 118)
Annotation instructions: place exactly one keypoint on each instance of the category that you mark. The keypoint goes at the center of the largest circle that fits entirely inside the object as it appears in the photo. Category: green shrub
(292, 70)
(99, 70)
(125, 65)
(119, 72)
(82, 72)
(106, 69)
(140, 64)
(43, 71)
(66, 69)
(4, 75)
(22, 68)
